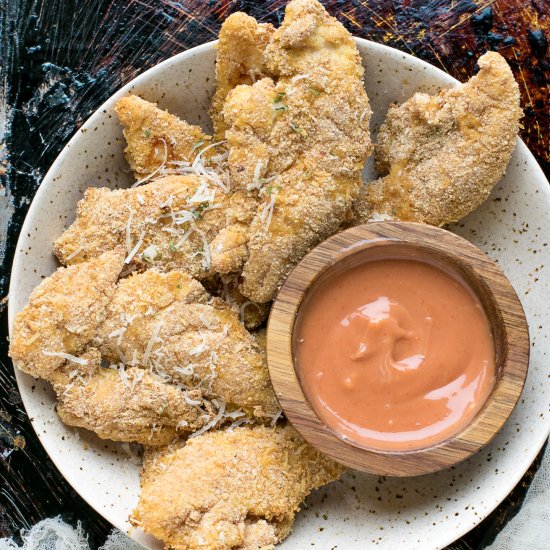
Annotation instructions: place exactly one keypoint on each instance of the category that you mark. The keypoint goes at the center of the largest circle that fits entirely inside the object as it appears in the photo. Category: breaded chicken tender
(444, 154)
(63, 314)
(181, 154)
(175, 220)
(301, 138)
(163, 322)
(242, 488)
(155, 137)
(240, 60)
(125, 405)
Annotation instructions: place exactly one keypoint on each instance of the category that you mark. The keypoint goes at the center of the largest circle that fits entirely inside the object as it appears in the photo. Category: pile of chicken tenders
(153, 331)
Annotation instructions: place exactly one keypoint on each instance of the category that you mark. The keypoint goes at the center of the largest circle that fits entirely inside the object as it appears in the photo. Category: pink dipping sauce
(394, 354)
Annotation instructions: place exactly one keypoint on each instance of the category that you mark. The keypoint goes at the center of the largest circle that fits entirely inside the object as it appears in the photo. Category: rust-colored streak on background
(453, 34)
(60, 59)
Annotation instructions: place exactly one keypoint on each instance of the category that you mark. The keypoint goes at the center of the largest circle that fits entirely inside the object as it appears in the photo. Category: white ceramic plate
(361, 511)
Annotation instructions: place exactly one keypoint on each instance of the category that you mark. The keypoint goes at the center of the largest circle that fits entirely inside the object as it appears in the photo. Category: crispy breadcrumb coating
(163, 322)
(242, 488)
(155, 137)
(131, 405)
(175, 220)
(444, 154)
(63, 314)
(240, 60)
(146, 126)
(301, 138)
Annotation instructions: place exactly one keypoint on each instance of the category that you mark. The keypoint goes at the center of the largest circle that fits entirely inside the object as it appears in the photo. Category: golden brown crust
(444, 154)
(155, 137)
(306, 132)
(230, 249)
(271, 471)
(63, 314)
(154, 215)
(126, 405)
(240, 60)
(162, 322)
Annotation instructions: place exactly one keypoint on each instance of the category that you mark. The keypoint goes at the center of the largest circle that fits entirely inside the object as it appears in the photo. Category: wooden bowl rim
(512, 368)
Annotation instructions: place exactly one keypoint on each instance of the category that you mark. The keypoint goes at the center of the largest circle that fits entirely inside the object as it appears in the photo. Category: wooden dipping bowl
(496, 294)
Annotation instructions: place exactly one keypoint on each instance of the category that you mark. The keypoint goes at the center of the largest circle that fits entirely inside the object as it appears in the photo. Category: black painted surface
(60, 59)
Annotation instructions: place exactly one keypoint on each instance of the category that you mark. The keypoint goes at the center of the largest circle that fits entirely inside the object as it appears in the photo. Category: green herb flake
(197, 213)
(268, 189)
(296, 128)
(280, 107)
(315, 91)
(278, 103)
(147, 133)
(172, 247)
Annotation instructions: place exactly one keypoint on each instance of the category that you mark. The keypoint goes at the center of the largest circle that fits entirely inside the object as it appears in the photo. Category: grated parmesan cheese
(276, 417)
(203, 194)
(234, 414)
(133, 453)
(220, 403)
(256, 176)
(190, 401)
(199, 348)
(158, 169)
(66, 356)
(205, 252)
(239, 422)
(150, 344)
(184, 237)
(212, 363)
(134, 250)
(138, 376)
(198, 158)
(379, 217)
(206, 322)
(168, 202)
(267, 211)
(150, 253)
(187, 371)
(124, 376)
(117, 333)
(75, 253)
(128, 231)
(243, 307)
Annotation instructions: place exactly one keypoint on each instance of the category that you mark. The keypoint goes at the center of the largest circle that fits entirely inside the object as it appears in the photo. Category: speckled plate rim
(455, 531)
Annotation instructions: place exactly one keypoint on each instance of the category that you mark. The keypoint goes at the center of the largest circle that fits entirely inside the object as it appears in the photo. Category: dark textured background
(60, 59)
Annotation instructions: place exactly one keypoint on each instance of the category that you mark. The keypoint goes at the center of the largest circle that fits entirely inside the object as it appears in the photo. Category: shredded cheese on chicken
(67, 356)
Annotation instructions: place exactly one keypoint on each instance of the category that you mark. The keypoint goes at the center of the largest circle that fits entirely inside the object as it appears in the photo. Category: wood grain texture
(60, 59)
(440, 247)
